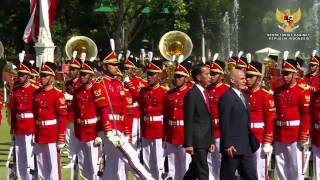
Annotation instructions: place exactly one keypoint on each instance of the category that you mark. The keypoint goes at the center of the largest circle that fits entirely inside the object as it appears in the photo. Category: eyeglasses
(20, 74)
(213, 73)
(285, 73)
(44, 75)
(249, 75)
(178, 76)
(150, 73)
(83, 73)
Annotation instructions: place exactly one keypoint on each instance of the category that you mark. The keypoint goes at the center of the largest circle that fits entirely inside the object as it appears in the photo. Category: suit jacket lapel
(239, 100)
(201, 97)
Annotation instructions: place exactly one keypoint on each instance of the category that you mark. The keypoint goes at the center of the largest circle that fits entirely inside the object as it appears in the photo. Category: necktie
(243, 100)
(206, 95)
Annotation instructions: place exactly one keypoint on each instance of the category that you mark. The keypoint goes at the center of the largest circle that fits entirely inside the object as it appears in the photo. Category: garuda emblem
(288, 20)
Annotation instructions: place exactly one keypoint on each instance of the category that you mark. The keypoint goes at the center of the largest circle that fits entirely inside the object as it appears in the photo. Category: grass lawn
(5, 142)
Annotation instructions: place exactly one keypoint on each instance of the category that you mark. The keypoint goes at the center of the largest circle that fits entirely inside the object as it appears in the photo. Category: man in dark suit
(198, 133)
(237, 143)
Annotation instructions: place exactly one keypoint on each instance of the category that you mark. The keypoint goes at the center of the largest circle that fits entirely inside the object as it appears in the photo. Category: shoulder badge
(62, 100)
(97, 92)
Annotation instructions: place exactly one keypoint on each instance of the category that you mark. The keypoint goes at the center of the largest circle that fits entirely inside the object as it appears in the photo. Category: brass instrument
(173, 44)
(81, 44)
(270, 70)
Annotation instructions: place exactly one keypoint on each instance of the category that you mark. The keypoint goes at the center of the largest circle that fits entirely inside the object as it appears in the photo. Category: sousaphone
(175, 43)
(81, 44)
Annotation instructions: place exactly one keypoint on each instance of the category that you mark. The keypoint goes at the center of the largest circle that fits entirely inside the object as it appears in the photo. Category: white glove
(267, 148)
(60, 145)
(303, 145)
(126, 79)
(68, 97)
(114, 139)
(97, 141)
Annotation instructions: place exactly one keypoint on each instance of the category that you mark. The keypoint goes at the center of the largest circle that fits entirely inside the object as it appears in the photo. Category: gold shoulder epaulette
(165, 87)
(57, 89)
(99, 79)
(303, 86)
(35, 86)
(267, 91)
(226, 84)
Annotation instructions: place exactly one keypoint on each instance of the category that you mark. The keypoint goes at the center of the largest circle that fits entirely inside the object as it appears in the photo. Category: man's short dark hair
(196, 70)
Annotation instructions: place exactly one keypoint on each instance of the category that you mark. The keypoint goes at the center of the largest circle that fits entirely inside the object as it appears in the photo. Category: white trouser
(135, 133)
(316, 160)
(24, 156)
(178, 160)
(47, 161)
(259, 160)
(120, 158)
(214, 162)
(153, 156)
(88, 155)
(288, 161)
(71, 140)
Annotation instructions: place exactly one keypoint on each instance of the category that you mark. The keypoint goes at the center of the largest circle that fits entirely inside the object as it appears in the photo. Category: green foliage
(180, 13)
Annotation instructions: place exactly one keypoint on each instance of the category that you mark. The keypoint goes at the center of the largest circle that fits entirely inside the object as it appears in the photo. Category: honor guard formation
(144, 116)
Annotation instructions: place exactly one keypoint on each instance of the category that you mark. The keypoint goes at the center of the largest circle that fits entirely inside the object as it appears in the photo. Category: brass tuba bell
(175, 43)
(81, 44)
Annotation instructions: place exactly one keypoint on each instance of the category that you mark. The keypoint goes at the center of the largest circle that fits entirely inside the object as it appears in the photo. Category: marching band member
(315, 131)
(178, 159)
(151, 107)
(50, 110)
(242, 63)
(71, 85)
(216, 90)
(23, 122)
(134, 84)
(312, 78)
(291, 131)
(262, 114)
(86, 122)
(109, 97)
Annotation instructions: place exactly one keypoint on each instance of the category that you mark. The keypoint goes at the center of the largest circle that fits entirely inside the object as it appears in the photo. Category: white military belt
(25, 115)
(288, 123)
(88, 121)
(153, 118)
(257, 124)
(115, 117)
(215, 121)
(176, 123)
(316, 125)
(46, 122)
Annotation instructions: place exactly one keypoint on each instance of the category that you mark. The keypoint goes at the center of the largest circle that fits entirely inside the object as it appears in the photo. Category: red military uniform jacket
(315, 118)
(86, 113)
(215, 93)
(135, 85)
(108, 92)
(50, 110)
(293, 118)
(262, 114)
(22, 118)
(312, 81)
(151, 108)
(173, 124)
(71, 86)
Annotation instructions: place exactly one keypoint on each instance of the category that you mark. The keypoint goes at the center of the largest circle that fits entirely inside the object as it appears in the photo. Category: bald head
(238, 79)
